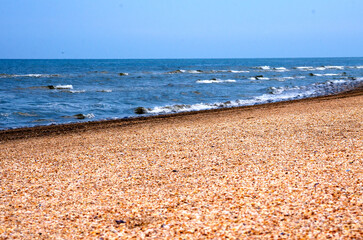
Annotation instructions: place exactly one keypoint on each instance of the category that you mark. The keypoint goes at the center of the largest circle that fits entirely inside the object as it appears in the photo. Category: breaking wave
(274, 94)
(216, 81)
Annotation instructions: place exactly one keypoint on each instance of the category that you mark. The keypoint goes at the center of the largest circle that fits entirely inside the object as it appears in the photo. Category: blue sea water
(44, 92)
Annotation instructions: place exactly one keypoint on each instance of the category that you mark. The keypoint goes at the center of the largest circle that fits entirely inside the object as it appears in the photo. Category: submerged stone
(140, 110)
(79, 116)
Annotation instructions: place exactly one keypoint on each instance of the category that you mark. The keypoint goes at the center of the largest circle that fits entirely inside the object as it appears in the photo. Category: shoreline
(59, 129)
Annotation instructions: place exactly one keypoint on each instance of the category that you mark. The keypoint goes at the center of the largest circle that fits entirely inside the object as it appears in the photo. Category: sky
(122, 29)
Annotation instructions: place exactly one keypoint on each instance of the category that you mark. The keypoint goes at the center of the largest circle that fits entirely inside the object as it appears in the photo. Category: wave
(75, 91)
(259, 77)
(31, 75)
(326, 74)
(304, 68)
(184, 71)
(264, 67)
(61, 87)
(335, 67)
(280, 69)
(238, 71)
(274, 94)
(310, 68)
(282, 79)
(216, 81)
(321, 68)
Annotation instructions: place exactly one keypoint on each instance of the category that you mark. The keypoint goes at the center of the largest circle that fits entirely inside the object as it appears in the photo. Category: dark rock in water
(199, 71)
(51, 87)
(79, 116)
(140, 110)
(123, 74)
(214, 79)
(259, 76)
(311, 74)
(344, 73)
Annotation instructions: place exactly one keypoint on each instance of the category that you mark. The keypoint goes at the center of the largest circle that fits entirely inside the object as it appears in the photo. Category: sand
(289, 170)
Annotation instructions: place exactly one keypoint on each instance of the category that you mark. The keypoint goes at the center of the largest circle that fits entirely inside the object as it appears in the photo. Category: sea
(46, 92)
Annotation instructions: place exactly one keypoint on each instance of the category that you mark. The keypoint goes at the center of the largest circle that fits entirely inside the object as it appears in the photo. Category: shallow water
(43, 92)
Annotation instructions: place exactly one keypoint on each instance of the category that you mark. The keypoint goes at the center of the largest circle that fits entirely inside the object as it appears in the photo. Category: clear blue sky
(180, 28)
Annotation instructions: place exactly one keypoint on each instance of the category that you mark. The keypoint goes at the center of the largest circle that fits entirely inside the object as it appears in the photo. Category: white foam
(180, 108)
(326, 74)
(280, 69)
(259, 78)
(77, 91)
(339, 81)
(90, 115)
(216, 81)
(320, 68)
(36, 75)
(194, 71)
(304, 68)
(32, 75)
(63, 87)
(335, 67)
(264, 67)
(236, 71)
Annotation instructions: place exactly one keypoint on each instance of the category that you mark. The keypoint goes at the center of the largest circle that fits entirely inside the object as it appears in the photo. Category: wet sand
(285, 170)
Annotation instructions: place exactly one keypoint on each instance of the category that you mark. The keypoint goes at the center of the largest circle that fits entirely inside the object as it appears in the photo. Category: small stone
(79, 116)
(120, 221)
